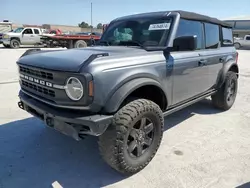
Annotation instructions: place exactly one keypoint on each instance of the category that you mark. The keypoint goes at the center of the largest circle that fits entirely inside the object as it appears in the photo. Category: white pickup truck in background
(22, 36)
(242, 42)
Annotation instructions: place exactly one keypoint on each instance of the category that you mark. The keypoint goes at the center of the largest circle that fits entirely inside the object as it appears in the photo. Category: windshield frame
(161, 19)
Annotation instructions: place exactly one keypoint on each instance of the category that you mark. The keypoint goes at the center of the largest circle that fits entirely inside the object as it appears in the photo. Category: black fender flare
(16, 38)
(114, 102)
(227, 66)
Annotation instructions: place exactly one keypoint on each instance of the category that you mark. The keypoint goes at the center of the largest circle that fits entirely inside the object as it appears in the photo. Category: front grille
(39, 89)
(37, 73)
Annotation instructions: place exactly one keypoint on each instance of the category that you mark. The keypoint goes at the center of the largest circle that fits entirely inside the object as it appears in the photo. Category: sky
(72, 12)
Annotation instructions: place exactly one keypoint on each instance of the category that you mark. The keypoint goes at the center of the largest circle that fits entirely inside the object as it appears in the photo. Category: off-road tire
(80, 44)
(14, 43)
(113, 143)
(219, 99)
(6, 46)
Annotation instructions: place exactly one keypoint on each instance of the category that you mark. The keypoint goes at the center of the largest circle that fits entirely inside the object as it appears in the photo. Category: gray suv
(144, 67)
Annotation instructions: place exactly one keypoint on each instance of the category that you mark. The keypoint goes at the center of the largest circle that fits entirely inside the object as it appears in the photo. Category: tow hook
(20, 104)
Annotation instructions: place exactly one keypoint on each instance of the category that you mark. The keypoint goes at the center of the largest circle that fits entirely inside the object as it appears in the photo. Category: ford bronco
(144, 67)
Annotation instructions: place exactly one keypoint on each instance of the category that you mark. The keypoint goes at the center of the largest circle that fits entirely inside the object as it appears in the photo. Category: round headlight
(74, 89)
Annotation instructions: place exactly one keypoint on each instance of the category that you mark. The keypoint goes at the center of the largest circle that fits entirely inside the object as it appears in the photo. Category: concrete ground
(202, 147)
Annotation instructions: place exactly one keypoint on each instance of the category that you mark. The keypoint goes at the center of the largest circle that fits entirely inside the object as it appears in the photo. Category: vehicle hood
(74, 59)
(12, 34)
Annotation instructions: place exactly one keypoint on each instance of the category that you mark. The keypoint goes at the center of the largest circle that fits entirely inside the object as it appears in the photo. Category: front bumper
(6, 41)
(74, 123)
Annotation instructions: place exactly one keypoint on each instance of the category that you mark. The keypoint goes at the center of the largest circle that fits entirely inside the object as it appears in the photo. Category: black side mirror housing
(185, 43)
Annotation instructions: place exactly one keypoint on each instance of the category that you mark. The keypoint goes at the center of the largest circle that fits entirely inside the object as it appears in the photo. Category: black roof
(183, 14)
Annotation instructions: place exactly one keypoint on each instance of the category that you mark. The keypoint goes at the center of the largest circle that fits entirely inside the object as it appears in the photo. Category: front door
(27, 37)
(189, 73)
(188, 76)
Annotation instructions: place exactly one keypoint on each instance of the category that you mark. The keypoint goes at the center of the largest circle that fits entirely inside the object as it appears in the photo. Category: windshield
(138, 32)
(18, 30)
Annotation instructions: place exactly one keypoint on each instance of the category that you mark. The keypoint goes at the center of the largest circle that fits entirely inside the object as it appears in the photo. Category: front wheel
(14, 43)
(226, 95)
(134, 137)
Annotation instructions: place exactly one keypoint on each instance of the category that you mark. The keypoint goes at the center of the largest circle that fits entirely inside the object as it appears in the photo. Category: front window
(18, 30)
(137, 32)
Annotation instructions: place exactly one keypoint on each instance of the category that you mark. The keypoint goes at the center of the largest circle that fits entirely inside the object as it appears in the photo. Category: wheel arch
(16, 38)
(229, 66)
(134, 88)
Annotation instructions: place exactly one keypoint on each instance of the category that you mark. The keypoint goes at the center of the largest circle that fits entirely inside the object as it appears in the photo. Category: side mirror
(185, 43)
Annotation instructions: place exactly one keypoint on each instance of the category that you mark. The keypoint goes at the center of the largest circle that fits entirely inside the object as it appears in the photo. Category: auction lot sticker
(159, 26)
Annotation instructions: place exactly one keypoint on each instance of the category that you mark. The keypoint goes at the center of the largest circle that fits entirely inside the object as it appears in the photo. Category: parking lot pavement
(8, 68)
(202, 147)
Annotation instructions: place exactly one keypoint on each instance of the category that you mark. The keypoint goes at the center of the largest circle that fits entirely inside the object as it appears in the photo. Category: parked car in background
(22, 36)
(89, 33)
(242, 42)
(52, 32)
(5, 27)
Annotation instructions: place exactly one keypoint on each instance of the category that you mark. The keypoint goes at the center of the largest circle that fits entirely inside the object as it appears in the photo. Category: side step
(175, 109)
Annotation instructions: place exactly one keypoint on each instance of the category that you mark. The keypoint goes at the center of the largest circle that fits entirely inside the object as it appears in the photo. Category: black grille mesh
(39, 89)
(37, 73)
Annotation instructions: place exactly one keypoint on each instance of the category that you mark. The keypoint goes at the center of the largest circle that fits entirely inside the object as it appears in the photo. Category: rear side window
(36, 31)
(188, 27)
(227, 36)
(212, 36)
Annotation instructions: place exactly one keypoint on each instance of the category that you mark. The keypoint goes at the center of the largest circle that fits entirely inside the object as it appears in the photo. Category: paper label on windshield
(159, 26)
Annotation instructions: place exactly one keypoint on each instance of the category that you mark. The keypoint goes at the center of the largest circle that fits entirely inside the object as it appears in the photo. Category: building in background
(241, 25)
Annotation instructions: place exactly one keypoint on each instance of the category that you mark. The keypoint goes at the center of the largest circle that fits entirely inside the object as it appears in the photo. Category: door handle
(202, 62)
(32, 35)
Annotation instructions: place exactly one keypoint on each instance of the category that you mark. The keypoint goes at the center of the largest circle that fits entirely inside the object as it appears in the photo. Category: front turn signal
(91, 88)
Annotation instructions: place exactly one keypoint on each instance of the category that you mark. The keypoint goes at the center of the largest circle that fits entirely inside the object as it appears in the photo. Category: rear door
(214, 55)
(37, 33)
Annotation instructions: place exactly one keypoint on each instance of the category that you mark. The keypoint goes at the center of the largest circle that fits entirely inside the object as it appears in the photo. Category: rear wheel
(14, 43)
(134, 137)
(226, 95)
(80, 44)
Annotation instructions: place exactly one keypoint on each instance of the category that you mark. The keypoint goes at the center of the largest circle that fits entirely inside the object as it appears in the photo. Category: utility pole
(91, 20)
(93, 41)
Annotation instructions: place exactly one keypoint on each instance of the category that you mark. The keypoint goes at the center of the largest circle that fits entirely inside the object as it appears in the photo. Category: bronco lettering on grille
(38, 81)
